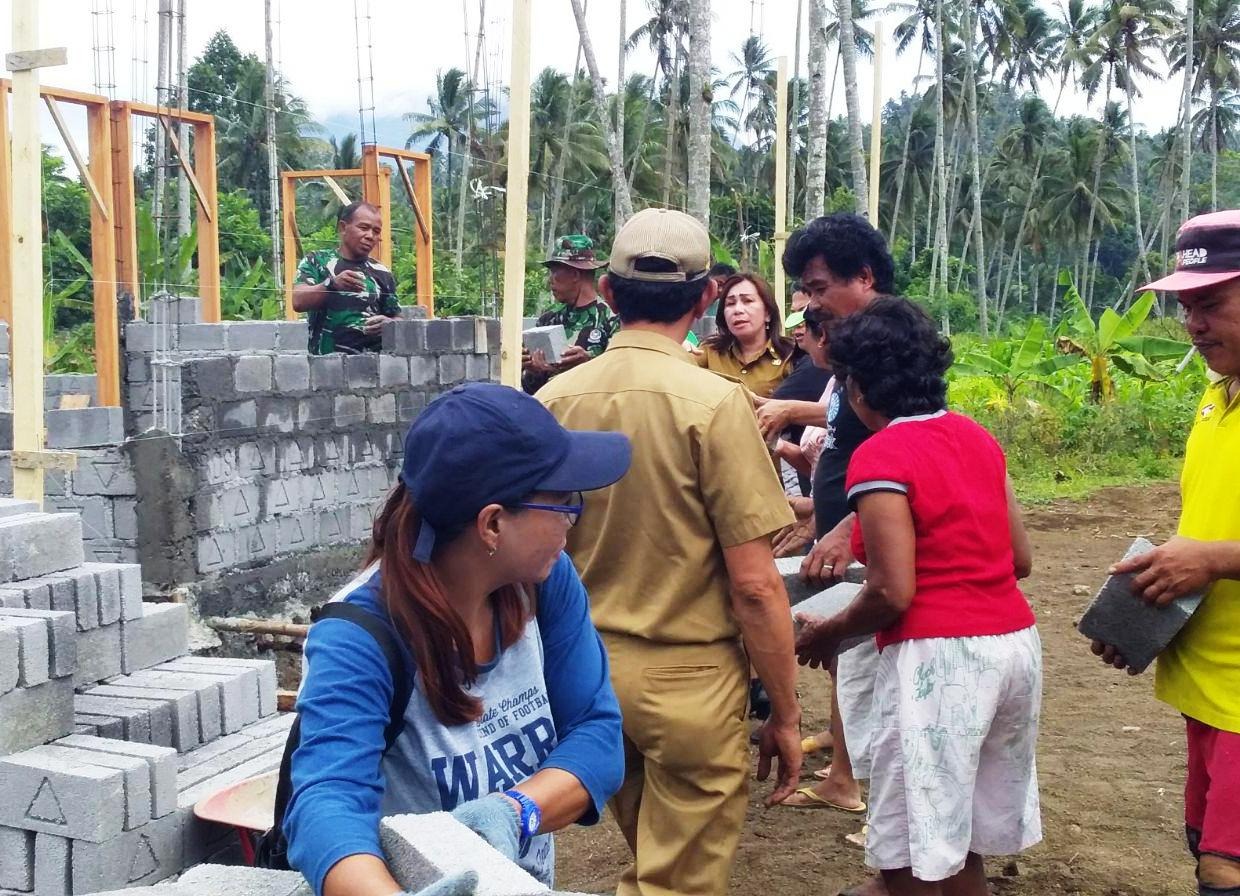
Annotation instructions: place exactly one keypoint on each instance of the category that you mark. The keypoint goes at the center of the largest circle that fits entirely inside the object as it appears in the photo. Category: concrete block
(106, 472)
(142, 721)
(137, 368)
(283, 496)
(423, 371)
(225, 704)
(33, 716)
(182, 707)
(52, 857)
(408, 406)
(393, 371)
(463, 334)
(43, 793)
(100, 726)
(1139, 631)
(239, 691)
(404, 337)
(84, 427)
(215, 552)
(33, 646)
(145, 855)
(361, 371)
(10, 652)
(316, 413)
(254, 543)
(37, 544)
(334, 526)
(130, 575)
(478, 368)
(829, 602)
(98, 655)
(326, 372)
(141, 336)
(294, 455)
(110, 550)
(206, 767)
(451, 369)
(438, 335)
(160, 635)
(16, 859)
(137, 777)
(204, 337)
(161, 763)
(227, 508)
(298, 532)
(237, 417)
(277, 415)
(108, 590)
(59, 632)
(29, 594)
(361, 522)
(381, 409)
(350, 410)
(292, 373)
(799, 590)
(422, 849)
(252, 336)
(551, 341)
(211, 378)
(242, 881)
(253, 373)
(6, 430)
(255, 459)
(16, 507)
(261, 765)
(292, 335)
(125, 518)
(265, 672)
(4, 338)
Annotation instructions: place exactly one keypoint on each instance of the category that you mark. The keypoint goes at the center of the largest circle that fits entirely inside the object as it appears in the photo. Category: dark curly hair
(848, 244)
(895, 355)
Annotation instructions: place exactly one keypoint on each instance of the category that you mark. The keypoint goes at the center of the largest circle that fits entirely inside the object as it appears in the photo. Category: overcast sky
(411, 39)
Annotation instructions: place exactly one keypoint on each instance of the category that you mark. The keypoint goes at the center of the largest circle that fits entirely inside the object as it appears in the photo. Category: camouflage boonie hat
(575, 250)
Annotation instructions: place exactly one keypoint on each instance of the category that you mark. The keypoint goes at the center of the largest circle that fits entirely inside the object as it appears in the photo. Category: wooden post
(513, 302)
(27, 260)
(424, 247)
(288, 195)
(103, 259)
(385, 214)
(781, 178)
(6, 208)
(208, 222)
(876, 126)
(124, 208)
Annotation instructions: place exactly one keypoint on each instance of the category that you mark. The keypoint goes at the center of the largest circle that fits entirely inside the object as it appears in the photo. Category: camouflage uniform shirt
(589, 326)
(337, 325)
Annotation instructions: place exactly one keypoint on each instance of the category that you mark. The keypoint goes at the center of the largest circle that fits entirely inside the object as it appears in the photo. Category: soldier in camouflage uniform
(347, 294)
(588, 322)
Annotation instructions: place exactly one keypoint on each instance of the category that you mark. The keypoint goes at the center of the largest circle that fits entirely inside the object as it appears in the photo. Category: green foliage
(243, 237)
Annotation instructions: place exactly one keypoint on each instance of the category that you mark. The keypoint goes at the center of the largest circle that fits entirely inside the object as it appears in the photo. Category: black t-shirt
(805, 383)
(845, 432)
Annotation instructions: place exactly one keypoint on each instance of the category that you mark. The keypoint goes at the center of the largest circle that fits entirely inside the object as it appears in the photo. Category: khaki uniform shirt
(650, 547)
(760, 375)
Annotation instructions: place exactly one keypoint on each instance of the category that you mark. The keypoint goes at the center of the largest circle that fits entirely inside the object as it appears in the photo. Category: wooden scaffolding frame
(377, 191)
(107, 173)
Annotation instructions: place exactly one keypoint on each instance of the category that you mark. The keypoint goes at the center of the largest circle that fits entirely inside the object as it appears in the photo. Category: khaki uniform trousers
(682, 805)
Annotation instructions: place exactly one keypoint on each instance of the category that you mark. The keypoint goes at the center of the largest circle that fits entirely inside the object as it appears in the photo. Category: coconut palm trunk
(1187, 173)
(624, 201)
(621, 89)
(848, 53)
(700, 106)
(561, 161)
(673, 122)
(816, 163)
(1093, 196)
(792, 118)
(939, 260)
(983, 309)
(908, 133)
(1136, 180)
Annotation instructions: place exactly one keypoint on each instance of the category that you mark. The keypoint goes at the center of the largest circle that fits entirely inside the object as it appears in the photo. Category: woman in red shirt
(959, 681)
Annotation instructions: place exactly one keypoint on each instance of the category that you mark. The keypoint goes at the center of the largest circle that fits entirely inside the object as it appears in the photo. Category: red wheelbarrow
(248, 807)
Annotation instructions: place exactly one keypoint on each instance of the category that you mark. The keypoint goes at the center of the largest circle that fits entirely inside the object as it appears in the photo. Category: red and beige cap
(665, 235)
(1207, 251)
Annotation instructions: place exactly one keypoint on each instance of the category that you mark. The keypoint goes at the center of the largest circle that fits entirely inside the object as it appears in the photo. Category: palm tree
(664, 33)
(847, 41)
(701, 103)
(918, 23)
(815, 173)
(752, 75)
(344, 153)
(1216, 66)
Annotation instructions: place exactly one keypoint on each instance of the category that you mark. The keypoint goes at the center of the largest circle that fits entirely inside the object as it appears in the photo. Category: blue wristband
(531, 815)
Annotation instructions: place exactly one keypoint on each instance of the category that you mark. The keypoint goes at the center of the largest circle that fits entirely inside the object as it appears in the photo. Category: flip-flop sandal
(823, 773)
(814, 801)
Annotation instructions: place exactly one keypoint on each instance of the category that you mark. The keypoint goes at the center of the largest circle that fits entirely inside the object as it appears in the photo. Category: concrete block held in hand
(551, 341)
(422, 849)
(1139, 631)
(242, 881)
(830, 602)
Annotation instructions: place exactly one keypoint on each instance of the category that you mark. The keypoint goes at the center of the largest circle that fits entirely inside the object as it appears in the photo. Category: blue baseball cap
(480, 444)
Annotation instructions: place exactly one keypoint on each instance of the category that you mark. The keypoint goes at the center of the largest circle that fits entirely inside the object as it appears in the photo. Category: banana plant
(171, 270)
(67, 350)
(1017, 362)
(1112, 339)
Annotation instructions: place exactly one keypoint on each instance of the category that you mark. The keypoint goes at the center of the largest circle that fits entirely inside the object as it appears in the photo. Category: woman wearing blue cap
(512, 723)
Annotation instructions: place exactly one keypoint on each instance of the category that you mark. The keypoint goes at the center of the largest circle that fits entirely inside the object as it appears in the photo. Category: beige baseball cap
(664, 234)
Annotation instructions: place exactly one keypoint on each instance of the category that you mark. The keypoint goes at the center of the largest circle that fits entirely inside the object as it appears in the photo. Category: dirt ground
(1111, 758)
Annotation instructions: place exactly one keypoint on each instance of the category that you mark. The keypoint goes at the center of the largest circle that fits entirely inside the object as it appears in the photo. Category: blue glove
(495, 819)
(463, 884)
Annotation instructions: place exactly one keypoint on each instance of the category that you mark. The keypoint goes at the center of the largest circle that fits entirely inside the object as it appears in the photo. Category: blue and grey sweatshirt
(547, 703)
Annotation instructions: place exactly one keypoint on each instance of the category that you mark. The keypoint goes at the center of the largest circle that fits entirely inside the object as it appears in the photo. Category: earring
(491, 552)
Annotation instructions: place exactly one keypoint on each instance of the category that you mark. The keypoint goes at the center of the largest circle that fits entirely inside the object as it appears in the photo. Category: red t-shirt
(954, 474)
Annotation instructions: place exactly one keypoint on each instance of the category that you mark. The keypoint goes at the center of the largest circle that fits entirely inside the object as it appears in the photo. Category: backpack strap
(273, 847)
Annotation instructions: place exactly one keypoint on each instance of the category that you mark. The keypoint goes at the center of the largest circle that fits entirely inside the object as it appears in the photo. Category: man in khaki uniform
(677, 560)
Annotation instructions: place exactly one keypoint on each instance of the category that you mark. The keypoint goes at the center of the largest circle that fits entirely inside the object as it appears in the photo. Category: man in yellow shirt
(1199, 673)
(678, 564)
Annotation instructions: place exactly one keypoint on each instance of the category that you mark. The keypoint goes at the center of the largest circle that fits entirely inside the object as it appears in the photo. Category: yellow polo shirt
(761, 375)
(1199, 673)
(650, 548)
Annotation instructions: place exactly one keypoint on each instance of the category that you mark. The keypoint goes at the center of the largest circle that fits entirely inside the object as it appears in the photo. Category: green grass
(1044, 486)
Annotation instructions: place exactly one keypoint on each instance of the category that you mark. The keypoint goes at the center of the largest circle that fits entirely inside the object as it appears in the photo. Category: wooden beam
(103, 260)
(370, 175)
(208, 223)
(6, 211)
(186, 166)
(27, 60)
(413, 199)
(149, 111)
(124, 203)
(74, 97)
(781, 178)
(336, 189)
(84, 170)
(385, 215)
(423, 241)
(27, 260)
(518, 192)
(288, 205)
(314, 173)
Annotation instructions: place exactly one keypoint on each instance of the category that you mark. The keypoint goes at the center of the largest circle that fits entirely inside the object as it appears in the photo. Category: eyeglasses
(572, 511)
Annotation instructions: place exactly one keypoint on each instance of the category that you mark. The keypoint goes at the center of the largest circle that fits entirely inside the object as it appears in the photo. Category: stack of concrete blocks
(109, 731)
